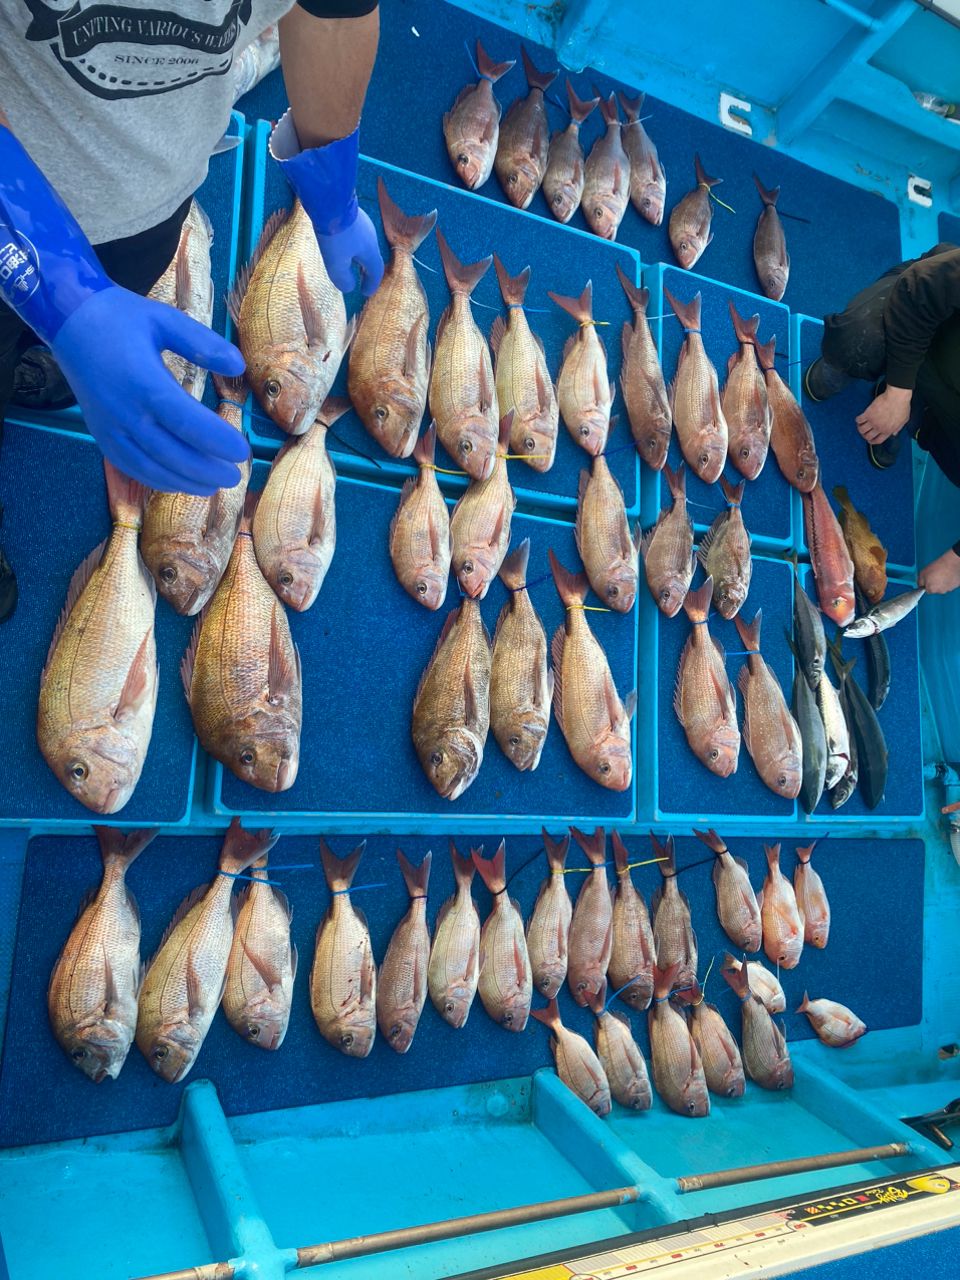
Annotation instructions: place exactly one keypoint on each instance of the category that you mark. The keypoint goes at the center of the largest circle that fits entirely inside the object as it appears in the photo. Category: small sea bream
(782, 921)
(667, 549)
(402, 980)
(521, 686)
(737, 908)
(343, 979)
(577, 1065)
(564, 175)
(811, 899)
(548, 929)
(695, 398)
(506, 981)
(471, 128)
(591, 928)
(725, 553)
(641, 380)
(419, 538)
(648, 182)
(606, 177)
(521, 157)
(454, 968)
(677, 1069)
(584, 390)
(745, 403)
(703, 699)
(633, 951)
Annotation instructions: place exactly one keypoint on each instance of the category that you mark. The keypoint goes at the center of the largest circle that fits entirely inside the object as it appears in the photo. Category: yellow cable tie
(722, 205)
(432, 466)
(589, 608)
(521, 457)
(646, 863)
(706, 976)
(585, 323)
(122, 524)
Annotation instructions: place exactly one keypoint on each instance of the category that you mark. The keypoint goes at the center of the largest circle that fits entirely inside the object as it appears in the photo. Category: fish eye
(558, 199)
(584, 430)
(684, 246)
(604, 767)
(394, 1031)
(744, 453)
(421, 588)
(691, 1106)
(347, 1040)
(782, 780)
(286, 578)
(466, 446)
(161, 1052)
(530, 444)
(515, 741)
(436, 758)
(77, 769)
(253, 1031)
(168, 573)
(715, 753)
(381, 413)
(462, 158)
(801, 473)
(271, 388)
(704, 459)
(78, 1054)
(468, 566)
(449, 1007)
(837, 602)
(613, 591)
(247, 756)
(512, 179)
(665, 594)
(507, 1020)
(599, 211)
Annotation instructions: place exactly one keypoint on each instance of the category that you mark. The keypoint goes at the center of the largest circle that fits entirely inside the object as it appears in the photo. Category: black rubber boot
(38, 382)
(884, 455)
(822, 380)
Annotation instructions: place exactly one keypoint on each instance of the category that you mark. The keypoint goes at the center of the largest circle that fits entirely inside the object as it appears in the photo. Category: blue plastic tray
(55, 512)
(364, 646)
(562, 261)
(686, 789)
(768, 506)
(899, 719)
(44, 1098)
(885, 497)
(221, 198)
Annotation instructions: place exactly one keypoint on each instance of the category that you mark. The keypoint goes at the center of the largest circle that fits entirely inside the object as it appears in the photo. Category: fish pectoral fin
(294, 961)
(497, 533)
(434, 535)
(576, 173)
(471, 706)
(195, 990)
(111, 996)
(219, 515)
(615, 708)
(760, 899)
(283, 674)
(520, 962)
(320, 520)
(310, 313)
(617, 178)
(487, 389)
(411, 353)
(490, 128)
(137, 689)
(543, 394)
(267, 971)
(630, 704)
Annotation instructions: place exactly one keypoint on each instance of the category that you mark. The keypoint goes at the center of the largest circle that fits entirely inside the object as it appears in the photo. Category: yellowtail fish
(506, 981)
(454, 968)
(577, 1065)
(343, 979)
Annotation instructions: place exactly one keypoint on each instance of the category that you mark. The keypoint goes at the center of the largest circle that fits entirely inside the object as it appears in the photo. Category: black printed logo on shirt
(119, 51)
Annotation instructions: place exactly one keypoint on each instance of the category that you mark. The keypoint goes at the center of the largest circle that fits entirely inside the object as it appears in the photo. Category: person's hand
(145, 423)
(886, 415)
(356, 245)
(941, 575)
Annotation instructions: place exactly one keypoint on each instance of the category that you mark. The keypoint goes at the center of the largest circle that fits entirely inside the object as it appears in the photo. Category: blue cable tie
(610, 999)
(418, 897)
(700, 622)
(741, 653)
(552, 97)
(608, 453)
(237, 404)
(357, 888)
(732, 504)
(693, 331)
(660, 999)
(242, 875)
(535, 583)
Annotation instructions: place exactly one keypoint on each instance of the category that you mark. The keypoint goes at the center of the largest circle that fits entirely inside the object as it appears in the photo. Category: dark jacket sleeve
(338, 8)
(924, 297)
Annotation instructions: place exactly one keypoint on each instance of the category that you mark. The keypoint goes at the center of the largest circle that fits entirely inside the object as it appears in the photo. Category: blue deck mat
(55, 512)
(43, 1098)
(561, 263)
(926, 1255)
(885, 497)
(364, 646)
(408, 132)
(685, 785)
(767, 503)
(899, 719)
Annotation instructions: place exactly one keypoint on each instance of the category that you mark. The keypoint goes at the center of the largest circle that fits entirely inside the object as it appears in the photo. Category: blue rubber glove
(108, 342)
(325, 180)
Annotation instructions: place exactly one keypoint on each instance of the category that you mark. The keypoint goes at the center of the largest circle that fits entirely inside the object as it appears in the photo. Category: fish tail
(732, 492)
(424, 451)
(126, 498)
(804, 1004)
(580, 108)
(550, 1016)
(663, 980)
(536, 79)
(666, 855)
(235, 389)
(556, 850)
(461, 277)
(696, 603)
(580, 308)
(123, 846)
(463, 868)
(766, 353)
(769, 197)
(415, 878)
(491, 870)
(631, 106)
(403, 230)
(738, 979)
(688, 313)
(571, 587)
(842, 494)
(491, 70)
(773, 856)
(805, 853)
(250, 501)
(636, 296)
(711, 840)
(242, 848)
(745, 329)
(842, 668)
(608, 108)
(677, 480)
(594, 846)
(340, 871)
(702, 175)
(749, 632)
(512, 288)
(621, 857)
(513, 571)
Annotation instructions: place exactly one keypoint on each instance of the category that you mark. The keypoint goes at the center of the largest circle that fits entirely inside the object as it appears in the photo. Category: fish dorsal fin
(283, 675)
(183, 282)
(581, 497)
(189, 902)
(136, 688)
(556, 651)
(570, 344)
(408, 487)
(81, 576)
(448, 625)
(496, 335)
(244, 275)
(678, 683)
(188, 661)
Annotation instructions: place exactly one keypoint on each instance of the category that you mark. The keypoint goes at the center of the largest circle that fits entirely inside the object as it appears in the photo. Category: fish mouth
(287, 773)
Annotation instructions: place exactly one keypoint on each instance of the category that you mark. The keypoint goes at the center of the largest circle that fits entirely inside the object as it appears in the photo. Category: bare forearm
(327, 64)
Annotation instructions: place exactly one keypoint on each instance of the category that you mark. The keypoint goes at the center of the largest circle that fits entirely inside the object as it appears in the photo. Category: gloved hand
(325, 180)
(108, 341)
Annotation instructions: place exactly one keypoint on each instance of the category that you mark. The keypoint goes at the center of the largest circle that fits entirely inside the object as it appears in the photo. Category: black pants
(136, 262)
(854, 340)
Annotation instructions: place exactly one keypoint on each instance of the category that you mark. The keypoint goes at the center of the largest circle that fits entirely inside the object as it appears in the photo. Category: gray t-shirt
(121, 104)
